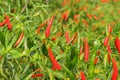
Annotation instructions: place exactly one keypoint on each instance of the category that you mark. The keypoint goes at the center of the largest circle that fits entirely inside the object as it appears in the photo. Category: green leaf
(69, 73)
(2, 38)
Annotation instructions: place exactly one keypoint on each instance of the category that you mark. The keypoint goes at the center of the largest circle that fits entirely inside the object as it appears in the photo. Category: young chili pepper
(19, 39)
(47, 31)
(83, 77)
(86, 50)
(54, 62)
(117, 44)
(9, 25)
(115, 70)
(2, 23)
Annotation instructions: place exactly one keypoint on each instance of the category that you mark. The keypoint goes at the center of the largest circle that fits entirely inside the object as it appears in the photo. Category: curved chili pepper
(47, 31)
(9, 25)
(86, 50)
(54, 62)
(117, 44)
(19, 39)
(83, 77)
(2, 23)
(115, 70)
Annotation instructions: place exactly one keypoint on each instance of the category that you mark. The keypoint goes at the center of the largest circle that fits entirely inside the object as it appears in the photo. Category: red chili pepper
(9, 25)
(37, 75)
(98, 53)
(40, 26)
(83, 77)
(53, 38)
(105, 1)
(115, 70)
(108, 48)
(106, 41)
(73, 38)
(47, 31)
(86, 50)
(109, 28)
(2, 23)
(65, 15)
(117, 44)
(67, 36)
(19, 39)
(96, 60)
(54, 62)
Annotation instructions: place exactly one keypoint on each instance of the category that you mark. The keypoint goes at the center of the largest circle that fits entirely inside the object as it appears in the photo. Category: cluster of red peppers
(7, 22)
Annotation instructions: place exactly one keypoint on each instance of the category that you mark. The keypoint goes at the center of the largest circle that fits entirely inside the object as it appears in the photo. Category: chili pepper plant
(60, 40)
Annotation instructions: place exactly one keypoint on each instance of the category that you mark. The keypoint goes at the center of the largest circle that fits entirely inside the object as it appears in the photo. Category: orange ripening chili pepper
(77, 0)
(2, 23)
(9, 25)
(83, 77)
(47, 31)
(89, 16)
(81, 50)
(95, 17)
(86, 50)
(52, 58)
(117, 44)
(73, 38)
(85, 23)
(76, 18)
(19, 39)
(115, 0)
(115, 70)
